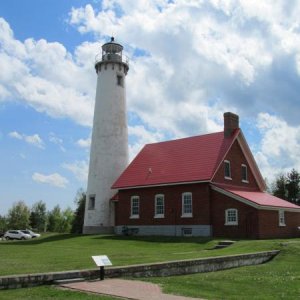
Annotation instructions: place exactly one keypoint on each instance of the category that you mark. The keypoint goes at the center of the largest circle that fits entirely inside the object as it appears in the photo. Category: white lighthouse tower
(109, 148)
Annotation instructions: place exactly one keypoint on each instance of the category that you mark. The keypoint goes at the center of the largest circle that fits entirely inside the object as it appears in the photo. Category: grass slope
(278, 279)
(60, 252)
(71, 252)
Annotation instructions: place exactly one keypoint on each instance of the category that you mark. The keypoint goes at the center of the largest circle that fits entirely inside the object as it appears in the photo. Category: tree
(3, 224)
(54, 218)
(38, 216)
(293, 186)
(18, 216)
(66, 221)
(77, 223)
(287, 187)
(60, 221)
(279, 187)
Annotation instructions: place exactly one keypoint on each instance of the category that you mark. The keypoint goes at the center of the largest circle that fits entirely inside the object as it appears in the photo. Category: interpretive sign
(102, 260)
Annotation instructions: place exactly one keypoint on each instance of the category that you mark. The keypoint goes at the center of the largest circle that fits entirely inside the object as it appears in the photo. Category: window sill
(245, 181)
(187, 216)
(228, 178)
(159, 216)
(282, 225)
(231, 224)
(135, 217)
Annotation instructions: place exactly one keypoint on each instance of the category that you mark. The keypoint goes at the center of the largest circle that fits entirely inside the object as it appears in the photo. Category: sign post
(101, 261)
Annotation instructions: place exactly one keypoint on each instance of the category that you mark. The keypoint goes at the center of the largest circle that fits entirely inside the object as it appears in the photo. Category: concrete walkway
(128, 289)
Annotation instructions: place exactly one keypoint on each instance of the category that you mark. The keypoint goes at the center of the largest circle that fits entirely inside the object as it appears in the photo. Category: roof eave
(161, 184)
(251, 203)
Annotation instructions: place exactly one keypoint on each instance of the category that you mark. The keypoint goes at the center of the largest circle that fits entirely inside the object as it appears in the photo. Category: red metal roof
(184, 160)
(258, 197)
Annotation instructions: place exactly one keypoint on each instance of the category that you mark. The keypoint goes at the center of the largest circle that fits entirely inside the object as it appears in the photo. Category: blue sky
(190, 61)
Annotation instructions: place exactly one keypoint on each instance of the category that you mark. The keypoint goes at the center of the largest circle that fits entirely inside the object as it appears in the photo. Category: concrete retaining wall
(155, 269)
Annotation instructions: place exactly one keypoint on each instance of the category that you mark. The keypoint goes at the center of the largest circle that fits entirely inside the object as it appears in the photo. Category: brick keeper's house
(206, 185)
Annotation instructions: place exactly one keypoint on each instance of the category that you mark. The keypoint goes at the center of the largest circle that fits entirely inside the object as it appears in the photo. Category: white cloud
(84, 143)
(190, 62)
(34, 139)
(54, 179)
(79, 169)
(279, 147)
(199, 48)
(15, 135)
(193, 60)
(28, 74)
(56, 140)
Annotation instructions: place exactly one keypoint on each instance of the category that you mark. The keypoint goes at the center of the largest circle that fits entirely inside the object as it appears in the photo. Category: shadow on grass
(41, 240)
(48, 238)
(156, 239)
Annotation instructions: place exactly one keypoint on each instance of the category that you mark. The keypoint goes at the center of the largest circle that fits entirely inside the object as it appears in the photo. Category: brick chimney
(231, 123)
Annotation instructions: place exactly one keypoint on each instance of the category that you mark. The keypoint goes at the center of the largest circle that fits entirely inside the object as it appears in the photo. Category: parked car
(16, 235)
(31, 233)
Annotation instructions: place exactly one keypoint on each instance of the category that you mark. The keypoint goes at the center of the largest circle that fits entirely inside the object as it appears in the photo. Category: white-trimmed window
(227, 169)
(244, 173)
(135, 207)
(92, 200)
(159, 206)
(187, 205)
(231, 216)
(281, 218)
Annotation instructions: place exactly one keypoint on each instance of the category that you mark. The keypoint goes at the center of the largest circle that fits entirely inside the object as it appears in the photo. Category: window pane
(187, 204)
(231, 216)
(281, 217)
(244, 173)
(135, 205)
(227, 169)
(159, 205)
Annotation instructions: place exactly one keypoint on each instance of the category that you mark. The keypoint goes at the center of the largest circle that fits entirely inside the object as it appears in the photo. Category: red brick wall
(173, 205)
(253, 223)
(236, 158)
(247, 218)
(269, 225)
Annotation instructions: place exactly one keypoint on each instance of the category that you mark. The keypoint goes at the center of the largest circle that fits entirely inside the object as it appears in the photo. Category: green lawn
(62, 252)
(278, 279)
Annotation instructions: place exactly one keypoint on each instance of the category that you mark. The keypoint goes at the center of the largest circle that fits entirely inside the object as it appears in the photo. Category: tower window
(120, 80)
(227, 171)
(91, 204)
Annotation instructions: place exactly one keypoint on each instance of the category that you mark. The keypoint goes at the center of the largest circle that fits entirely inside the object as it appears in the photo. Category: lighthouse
(109, 146)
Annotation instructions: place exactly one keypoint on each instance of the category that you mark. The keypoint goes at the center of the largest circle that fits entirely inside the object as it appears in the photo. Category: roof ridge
(185, 138)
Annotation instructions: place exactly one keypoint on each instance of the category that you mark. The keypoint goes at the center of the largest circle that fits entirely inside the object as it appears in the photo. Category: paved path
(128, 289)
